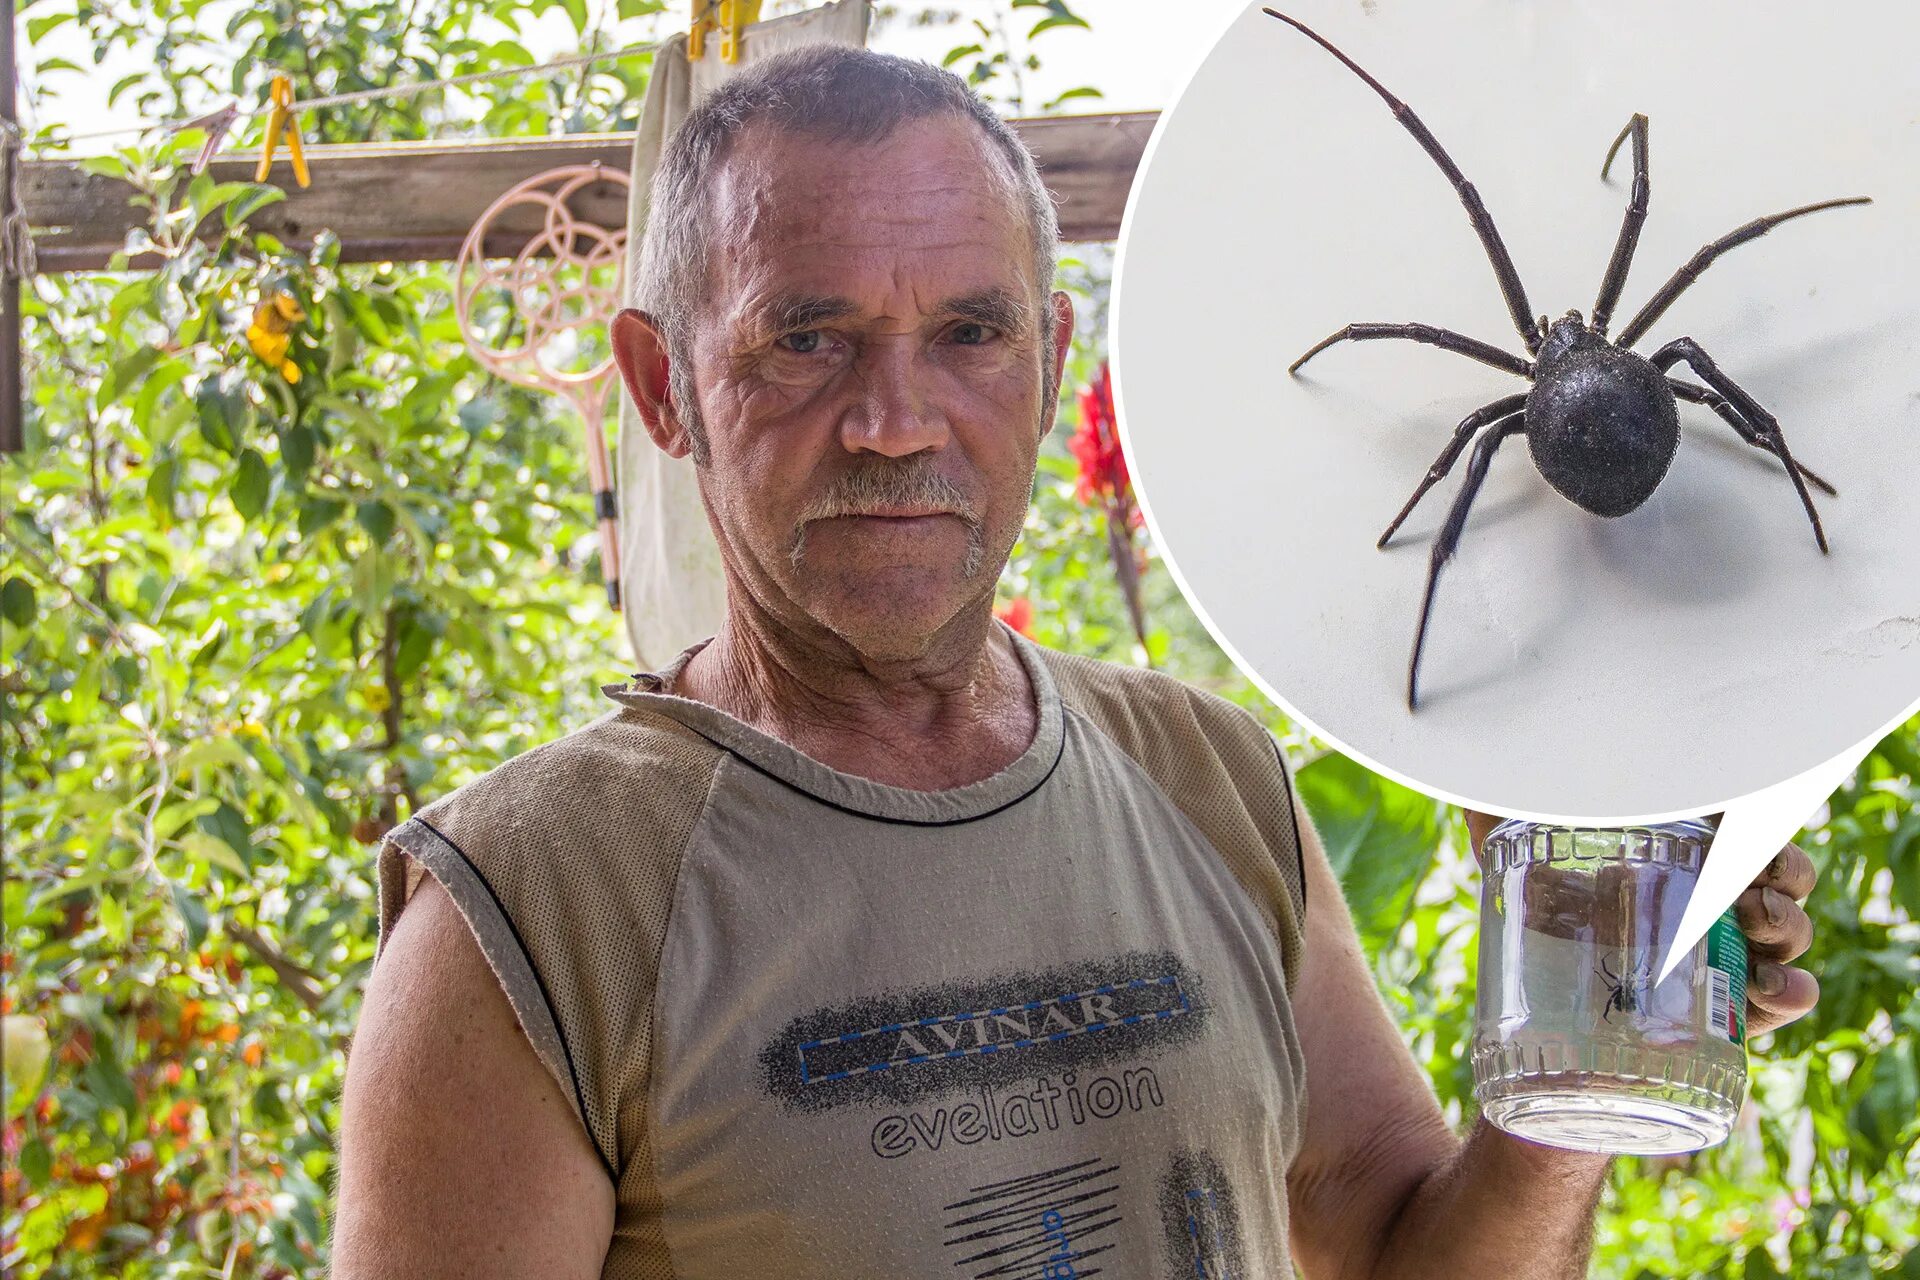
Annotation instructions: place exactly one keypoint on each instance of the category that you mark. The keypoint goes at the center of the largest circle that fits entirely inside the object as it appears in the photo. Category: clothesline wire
(369, 95)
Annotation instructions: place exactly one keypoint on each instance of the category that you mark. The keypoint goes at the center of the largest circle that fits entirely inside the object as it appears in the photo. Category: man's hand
(1778, 929)
(1777, 926)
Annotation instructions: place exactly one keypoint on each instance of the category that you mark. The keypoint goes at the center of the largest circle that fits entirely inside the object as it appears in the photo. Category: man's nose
(896, 411)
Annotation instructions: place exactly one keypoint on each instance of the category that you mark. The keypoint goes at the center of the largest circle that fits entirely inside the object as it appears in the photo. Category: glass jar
(1574, 1044)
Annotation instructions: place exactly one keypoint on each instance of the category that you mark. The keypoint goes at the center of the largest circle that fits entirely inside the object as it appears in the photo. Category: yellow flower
(378, 698)
(271, 332)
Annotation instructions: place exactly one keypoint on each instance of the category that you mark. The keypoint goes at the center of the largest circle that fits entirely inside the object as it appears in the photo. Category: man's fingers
(1777, 927)
(1791, 872)
(1777, 994)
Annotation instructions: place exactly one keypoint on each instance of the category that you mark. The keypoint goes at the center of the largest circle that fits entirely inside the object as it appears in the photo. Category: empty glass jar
(1575, 1045)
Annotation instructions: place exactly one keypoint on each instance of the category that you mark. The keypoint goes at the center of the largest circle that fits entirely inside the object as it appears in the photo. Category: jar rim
(1678, 826)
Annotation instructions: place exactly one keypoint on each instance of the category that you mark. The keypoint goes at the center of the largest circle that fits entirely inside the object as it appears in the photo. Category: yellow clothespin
(282, 123)
(730, 17)
(736, 15)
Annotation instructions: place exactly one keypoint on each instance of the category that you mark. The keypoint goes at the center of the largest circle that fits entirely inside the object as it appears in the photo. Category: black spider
(1600, 421)
(1625, 991)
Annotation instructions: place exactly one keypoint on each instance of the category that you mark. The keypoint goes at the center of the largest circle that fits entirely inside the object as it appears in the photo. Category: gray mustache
(911, 481)
(886, 484)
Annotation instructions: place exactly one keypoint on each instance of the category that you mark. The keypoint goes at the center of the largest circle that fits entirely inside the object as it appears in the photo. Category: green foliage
(253, 618)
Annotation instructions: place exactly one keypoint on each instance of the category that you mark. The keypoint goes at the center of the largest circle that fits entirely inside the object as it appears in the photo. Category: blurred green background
(253, 620)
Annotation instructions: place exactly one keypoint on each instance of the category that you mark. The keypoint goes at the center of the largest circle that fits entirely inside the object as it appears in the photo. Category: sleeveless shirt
(818, 1026)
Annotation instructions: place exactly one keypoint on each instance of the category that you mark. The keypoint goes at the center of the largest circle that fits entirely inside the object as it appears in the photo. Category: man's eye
(971, 334)
(803, 342)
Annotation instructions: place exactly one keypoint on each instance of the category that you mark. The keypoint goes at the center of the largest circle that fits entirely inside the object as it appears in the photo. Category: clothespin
(282, 123)
(736, 16)
(217, 124)
(730, 17)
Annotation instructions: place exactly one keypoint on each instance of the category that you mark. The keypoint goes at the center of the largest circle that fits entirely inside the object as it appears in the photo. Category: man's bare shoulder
(460, 1154)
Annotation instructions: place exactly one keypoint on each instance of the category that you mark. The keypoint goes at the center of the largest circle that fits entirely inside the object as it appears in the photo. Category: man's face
(868, 367)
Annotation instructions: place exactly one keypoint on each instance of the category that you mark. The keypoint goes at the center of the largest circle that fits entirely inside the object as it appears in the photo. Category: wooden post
(11, 436)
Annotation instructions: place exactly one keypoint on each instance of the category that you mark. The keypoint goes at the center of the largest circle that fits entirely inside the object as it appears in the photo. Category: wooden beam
(414, 201)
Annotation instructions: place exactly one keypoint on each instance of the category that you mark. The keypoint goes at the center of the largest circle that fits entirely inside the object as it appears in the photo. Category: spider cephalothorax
(1601, 421)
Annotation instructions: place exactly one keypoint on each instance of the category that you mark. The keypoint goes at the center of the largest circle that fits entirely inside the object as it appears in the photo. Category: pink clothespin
(217, 124)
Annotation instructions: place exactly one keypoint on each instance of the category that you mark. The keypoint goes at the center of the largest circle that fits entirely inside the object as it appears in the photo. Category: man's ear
(640, 349)
(1061, 318)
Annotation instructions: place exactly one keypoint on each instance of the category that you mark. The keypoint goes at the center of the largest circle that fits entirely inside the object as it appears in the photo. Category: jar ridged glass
(1575, 1045)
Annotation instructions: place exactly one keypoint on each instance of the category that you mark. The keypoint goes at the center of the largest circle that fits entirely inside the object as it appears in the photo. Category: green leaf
(207, 652)
(26, 1052)
(1380, 837)
(17, 604)
(1083, 91)
(251, 484)
(104, 1079)
(36, 1158)
(377, 519)
(246, 206)
(317, 513)
(212, 852)
(296, 451)
(1903, 857)
(37, 28)
(229, 826)
(221, 413)
(193, 912)
(105, 167)
(162, 479)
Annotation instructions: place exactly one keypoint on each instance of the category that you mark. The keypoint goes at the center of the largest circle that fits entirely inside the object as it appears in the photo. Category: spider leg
(1616, 278)
(1722, 406)
(1763, 423)
(1449, 539)
(1451, 454)
(1657, 305)
(1445, 339)
(1503, 269)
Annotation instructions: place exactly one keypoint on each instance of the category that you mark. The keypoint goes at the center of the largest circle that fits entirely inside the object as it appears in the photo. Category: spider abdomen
(1602, 427)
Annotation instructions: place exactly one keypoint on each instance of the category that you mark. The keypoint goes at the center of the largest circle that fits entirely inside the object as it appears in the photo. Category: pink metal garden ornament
(550, 304)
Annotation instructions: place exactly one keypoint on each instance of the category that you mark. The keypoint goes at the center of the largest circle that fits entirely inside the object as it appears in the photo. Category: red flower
(1096, 444)
(1018, 614)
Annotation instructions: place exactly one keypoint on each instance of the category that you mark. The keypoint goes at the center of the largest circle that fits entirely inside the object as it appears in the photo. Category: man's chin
(895, 611)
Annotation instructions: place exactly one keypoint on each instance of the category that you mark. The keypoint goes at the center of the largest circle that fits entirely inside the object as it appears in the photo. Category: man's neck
(960, 713)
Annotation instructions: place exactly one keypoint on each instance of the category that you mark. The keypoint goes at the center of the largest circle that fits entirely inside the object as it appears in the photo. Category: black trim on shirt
(1293, 811)
(881, 817)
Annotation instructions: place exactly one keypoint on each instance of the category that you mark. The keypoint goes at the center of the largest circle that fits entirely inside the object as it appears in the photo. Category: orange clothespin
(282, 123)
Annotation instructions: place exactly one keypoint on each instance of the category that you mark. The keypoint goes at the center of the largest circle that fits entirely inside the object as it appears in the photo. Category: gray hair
(833, 91)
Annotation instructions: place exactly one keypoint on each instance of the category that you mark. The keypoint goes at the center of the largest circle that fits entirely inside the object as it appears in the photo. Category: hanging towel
(672, 591)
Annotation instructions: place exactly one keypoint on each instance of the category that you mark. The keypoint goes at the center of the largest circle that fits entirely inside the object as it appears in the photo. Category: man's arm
(1382, 1188)
(459, 1155)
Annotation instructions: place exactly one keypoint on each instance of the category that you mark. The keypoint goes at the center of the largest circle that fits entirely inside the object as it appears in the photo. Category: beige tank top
(817, 1026)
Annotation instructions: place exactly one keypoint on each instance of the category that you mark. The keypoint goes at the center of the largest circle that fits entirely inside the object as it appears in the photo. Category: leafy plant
(264, 593)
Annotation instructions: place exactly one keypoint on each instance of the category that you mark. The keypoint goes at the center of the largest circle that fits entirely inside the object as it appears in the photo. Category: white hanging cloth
(672, 591)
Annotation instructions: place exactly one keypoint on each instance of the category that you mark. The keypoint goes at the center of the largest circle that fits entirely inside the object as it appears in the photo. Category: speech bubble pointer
(1752, 831)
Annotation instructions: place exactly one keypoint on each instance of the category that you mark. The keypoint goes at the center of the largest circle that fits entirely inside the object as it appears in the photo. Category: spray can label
(1727, 977)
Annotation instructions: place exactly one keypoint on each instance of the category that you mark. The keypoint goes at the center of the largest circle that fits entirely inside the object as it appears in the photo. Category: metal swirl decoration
(561, 287)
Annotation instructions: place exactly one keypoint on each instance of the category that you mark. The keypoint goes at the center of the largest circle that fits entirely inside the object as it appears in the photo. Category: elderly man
(867, 937)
